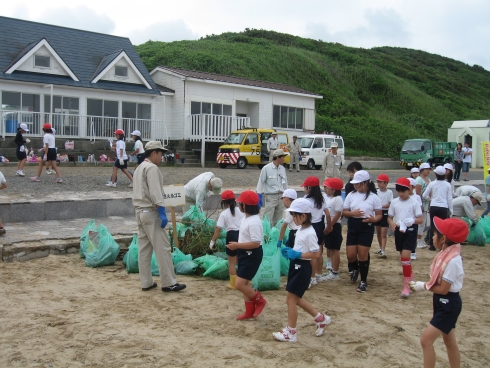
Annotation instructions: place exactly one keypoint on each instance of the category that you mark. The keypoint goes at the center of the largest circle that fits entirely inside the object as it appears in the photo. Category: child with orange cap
(333, 240)
(385, 196)
(230, 219)
(249, 254)
(404, 215)
(446, 280)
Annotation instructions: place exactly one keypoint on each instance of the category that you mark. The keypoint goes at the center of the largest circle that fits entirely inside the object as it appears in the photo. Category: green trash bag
(185, 267)
(485, 224)
(221, 255)
(284, 265)
(209, 225)
(206, 261)
(154, 265)
(194, 217)
(102, 249)
(268, 277)
(219, 270)
(178, 256)
(266, 226)
(477, 235)
(131, 256)
(84, 237)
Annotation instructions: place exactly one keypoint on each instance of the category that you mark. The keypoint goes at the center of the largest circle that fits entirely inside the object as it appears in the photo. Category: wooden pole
(174, 226)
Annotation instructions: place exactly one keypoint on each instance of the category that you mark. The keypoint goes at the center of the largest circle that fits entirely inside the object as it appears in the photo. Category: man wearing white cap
(151, 217)
(294, 149)
(272, 145)
(199, 188)
(332, 162)
(272, 183)
(465, 206)
(21, 151)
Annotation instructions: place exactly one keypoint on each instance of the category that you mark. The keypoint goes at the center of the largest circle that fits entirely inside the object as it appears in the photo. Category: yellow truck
(248, 146)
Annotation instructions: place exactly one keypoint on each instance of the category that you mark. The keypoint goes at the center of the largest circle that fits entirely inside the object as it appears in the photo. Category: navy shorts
(51, 156)
(141, 158)
(384, 220)
(231, 236)
(20, 155)
(359, 233)
(299, 276)
(249, 262)
(291, 239)
(119, 166)
(334, 239)
(319, 227)
(446, 311)
(406, 240)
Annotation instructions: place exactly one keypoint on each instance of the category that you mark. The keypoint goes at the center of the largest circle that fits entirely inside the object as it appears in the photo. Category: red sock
(407, 267)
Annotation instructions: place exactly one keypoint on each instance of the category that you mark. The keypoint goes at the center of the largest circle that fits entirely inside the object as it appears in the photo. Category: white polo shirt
(306, 240)
(229, 222)
(251, 230)
(356, 200)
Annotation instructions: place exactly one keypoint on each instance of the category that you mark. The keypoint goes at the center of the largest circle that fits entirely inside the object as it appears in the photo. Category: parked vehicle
(416, 151)
(248, 146)
(314, 147)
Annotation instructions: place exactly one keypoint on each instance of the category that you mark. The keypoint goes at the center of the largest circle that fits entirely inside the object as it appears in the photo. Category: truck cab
(248, 146)
(414, 152)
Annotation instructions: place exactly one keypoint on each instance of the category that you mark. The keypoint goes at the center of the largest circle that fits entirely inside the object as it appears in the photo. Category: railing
(12, 119)
(65, 125)
(101, 126)
(143, 125)
(216, 127)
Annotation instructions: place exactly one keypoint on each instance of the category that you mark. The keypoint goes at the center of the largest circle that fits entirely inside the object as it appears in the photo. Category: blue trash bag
(102, 249)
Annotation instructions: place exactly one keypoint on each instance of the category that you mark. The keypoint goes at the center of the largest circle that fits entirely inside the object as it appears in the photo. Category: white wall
(478, 135)
(132, 77)
(55, 68)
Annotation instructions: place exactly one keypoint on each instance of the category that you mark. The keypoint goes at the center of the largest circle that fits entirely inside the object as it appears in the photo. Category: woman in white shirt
(49, 154)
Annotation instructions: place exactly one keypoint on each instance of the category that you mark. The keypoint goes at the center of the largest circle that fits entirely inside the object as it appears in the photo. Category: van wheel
(310, 165)
(260, 166)
(241, 163)
(223, 166)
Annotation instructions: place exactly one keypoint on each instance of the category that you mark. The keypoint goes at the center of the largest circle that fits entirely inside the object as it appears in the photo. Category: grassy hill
(391, 94)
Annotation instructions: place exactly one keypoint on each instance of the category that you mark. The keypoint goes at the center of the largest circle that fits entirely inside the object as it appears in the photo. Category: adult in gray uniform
(294, 149)
(272, 183)
(332, 162)
(272, 145)
(464, 206)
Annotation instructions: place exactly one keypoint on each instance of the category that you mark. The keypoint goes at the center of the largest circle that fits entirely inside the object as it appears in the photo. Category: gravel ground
(94, 178)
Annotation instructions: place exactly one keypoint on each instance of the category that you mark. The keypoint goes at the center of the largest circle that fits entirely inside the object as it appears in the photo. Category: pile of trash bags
(97, 246)
(479, 232)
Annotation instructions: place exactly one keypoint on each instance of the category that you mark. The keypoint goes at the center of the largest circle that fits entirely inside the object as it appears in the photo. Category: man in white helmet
(199, 188)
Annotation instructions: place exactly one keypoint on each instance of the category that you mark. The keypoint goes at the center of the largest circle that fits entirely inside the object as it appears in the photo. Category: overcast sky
(454, 28)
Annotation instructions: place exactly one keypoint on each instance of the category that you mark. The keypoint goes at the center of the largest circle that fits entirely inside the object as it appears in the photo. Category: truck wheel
(408, 168)
(311, 164)
(223, 166)
(241, 163)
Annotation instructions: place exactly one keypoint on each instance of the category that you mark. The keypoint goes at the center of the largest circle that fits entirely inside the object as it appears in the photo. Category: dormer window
(41, 61)
(121, 71)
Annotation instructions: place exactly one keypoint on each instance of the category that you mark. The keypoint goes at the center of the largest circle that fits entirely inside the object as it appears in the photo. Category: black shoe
(432, 248)
(176, 287)
(154, 285)
(354, 275)
(465, 180)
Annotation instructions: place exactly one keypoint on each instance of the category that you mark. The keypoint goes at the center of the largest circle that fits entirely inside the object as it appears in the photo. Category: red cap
(227, 194)
(311, 181)
(404, 182)
(454, 229)
(47, 126)
(334, 183)
(383, 177)
(249, 197)
(119, 131)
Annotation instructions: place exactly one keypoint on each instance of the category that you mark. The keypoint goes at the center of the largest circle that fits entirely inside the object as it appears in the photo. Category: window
(328, 142)
(340, 142)
(121, 71)
(318, 143)
(11, 101)
(287, 117)
(102, 108)
(210, 108)
(63, 105)
(282, 138)
(252, 138)
(42, 61)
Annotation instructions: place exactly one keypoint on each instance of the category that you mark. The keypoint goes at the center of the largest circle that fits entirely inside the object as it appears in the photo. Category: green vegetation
(392, 94)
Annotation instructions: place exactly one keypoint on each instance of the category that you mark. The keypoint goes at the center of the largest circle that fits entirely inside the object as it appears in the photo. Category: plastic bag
(485, 224)
(206, 261)
(477, 234)
(103, 251)
(268, 276)
(194, 216)
(266, 226)
(185, 267)
(154, 265)
(131, 256)
(178, 256)
(284, 265)
(219, 270)
(91, 226)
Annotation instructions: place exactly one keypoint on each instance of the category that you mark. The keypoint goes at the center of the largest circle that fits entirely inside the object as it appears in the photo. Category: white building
(474, 132)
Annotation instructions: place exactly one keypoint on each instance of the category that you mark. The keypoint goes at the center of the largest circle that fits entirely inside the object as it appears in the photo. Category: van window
(318, 143)
(282, 139)
(252, 138)
(340, 142)
(305, 142)
(328, 142)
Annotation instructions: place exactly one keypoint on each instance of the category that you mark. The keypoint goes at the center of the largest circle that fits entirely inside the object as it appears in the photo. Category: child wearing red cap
(385, 196)
(49, 148)
(121, 160)
(333, 240)
(446, 280)
(230, 219)
(305, 248)
(314, 194)
(249, 254)
(404, 215)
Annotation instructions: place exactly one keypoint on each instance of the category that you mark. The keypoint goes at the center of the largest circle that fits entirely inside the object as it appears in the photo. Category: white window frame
(42, 66)
(121, 67)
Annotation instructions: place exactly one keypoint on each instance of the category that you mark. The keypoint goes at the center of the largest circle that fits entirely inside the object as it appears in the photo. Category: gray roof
(164, 89)
(237, 80)
(85, 53)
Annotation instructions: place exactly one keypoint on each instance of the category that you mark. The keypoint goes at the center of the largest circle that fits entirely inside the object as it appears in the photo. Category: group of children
(314, 222)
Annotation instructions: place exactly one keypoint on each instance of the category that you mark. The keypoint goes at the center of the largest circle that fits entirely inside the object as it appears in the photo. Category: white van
(314, 147)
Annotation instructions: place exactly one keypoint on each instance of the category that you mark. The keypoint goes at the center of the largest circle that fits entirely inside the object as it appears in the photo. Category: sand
(56, 312)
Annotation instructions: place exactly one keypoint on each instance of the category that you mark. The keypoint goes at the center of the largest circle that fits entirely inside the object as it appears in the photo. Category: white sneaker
(286, 335)
(379, 251)
(313, 282)
(319, 278)
(49, 172)
(413, 256)
(20, 173)
(332, 277)
(130, 185)
(382, 254)
(421, 244)
(320, 326)
(111, 185)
